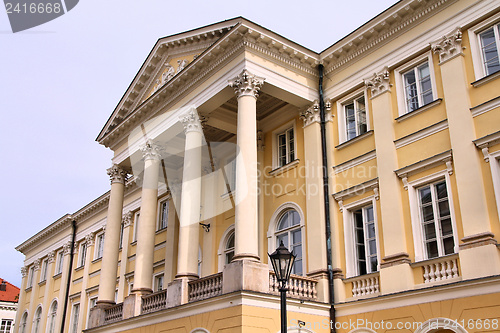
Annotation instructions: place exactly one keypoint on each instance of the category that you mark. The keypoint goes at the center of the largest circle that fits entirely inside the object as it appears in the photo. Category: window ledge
(41, 283)
(133, 243)
(434, 260)
(419, 110)
(28, 289)
(485, 79)
(160, 231)
(96, 260)
(227, 195)
(354, 140)
(57, 276)
(284, 168)
(79, 268)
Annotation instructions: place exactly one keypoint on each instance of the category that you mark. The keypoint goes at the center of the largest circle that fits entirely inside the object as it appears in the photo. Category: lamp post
(282, 261)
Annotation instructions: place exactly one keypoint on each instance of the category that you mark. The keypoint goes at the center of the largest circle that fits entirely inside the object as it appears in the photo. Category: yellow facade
(412, 138)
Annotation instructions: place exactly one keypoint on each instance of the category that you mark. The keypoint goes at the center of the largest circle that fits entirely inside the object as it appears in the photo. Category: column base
(246, 256)
(189, 276)
(479, 256)
(245, 275)
(396, 274)
(103, 304)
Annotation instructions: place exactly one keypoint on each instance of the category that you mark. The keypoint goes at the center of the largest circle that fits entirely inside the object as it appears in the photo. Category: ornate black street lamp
(282, 261)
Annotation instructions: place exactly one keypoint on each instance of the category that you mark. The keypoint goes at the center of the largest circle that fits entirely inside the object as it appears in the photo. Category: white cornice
(486, 142)
(356, 190)
(355, 161)
(485, 107)
(421, 134)
(442, 158)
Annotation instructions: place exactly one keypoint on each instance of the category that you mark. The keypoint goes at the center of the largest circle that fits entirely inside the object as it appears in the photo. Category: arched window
(440, 325)
(289, 231)
(36, 320)
(51, 320)
(22, 324)
(226, 248)
(229, 248)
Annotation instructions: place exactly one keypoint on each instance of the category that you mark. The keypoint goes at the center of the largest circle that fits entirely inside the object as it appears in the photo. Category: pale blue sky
(60, 82)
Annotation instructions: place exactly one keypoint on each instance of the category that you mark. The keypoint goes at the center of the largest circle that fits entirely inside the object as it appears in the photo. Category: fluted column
(189, 217)
(246, 86)
(112, 239)
(146, 237)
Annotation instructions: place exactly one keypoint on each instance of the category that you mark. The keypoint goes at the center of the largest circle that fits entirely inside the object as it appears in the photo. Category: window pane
(429, 231)
(444, 208)
(448, 245)
(489, 51)
(294, 216)
(284, 222)
(297, 267)
(425, 195)
(283, 238)
(291, 154)
(373, 246)
(427, 213)
(370, 228)
(296, 237)
(350, 121)
(230, 242)
(373, 264)
(432, 250)
(446, 228)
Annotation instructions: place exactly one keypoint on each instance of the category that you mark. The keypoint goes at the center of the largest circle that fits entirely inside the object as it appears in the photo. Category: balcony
(437, 271)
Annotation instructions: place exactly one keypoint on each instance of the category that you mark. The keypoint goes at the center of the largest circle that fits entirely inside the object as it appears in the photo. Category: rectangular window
(163, 216)
(74, 318)
(286, 147)
(489, 41)
(59, 263)
(418, 87)
(99, 245)
(355, 117)
(435, 220)
(31, 275)
(121, 235)
(83, 254)
(136, 224)
(92, 303)
(6, 326)
(366, 240)
(43, 272)
(158, 283)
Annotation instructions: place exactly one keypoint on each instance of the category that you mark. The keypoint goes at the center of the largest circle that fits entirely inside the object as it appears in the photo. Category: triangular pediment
(168, 58)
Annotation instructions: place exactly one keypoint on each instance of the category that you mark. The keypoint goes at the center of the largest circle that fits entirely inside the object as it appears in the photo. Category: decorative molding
(151, 151)
(419, 110)
(442, 158)
(246, 84)
(90, 239)
(421, 134)
(482, 239)
(36, 264)
(486, 79)
(379, 83)
(191, 121)
(24, 271)
(485, 142)
(449, 46)
(355, 162)
(127, 219)
(354, 140)
(355, 190)
(51, 257)
(67, 248)
(395, 259)
(284, 168)
(117, 174)
(311, 114)
(485, 107)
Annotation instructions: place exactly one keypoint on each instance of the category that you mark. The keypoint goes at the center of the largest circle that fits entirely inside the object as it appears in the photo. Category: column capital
(127, 219)
(311, 115)
(448, 46)
(246, 84)
(51, 257)
(192, 122)
(90, 239)
(379, 82)
(116, 174)
(151, 150)
(24, 271)
(36, 264)
(67, 248)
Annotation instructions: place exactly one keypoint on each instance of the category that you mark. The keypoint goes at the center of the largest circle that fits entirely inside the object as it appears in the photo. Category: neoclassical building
(376, 161)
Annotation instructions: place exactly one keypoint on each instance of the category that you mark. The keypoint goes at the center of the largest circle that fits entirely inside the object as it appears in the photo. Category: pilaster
(126, 222)
(64, 279)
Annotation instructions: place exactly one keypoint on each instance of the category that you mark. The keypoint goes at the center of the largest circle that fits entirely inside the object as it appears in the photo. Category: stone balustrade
(206, 287)
(365, 285)
(154, 302)
(113, 314)
(439, 269)
(298, 287)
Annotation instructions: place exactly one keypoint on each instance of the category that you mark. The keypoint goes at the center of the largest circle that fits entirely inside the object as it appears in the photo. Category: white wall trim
(485, 107)
(421, 134)
(371, 155)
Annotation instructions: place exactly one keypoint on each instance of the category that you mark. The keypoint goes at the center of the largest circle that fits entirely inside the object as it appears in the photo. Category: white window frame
(398, 75)
(7, 321)
(99, 245)
(475, 44)
(44, 270)
(155, 281)
(59, 262)
(289, 125)
(349, 236)
(137, 216)
(31, 277)
(159, 225)
(39, 310)
(413, 186)
(75, 316)
(52, 319)
(341, 113)
(82, 255)
(271, 232)
(92, 299)
(23, 322)
(221, 253)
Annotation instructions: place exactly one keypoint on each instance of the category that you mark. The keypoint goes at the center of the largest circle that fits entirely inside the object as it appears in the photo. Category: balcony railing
(439, 269)
(113, 314)
(298, 287)
(206, 287)
(154, 302)
(365, 285)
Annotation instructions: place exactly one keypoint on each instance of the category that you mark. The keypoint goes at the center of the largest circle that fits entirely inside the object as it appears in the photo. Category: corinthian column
(187, 263)
(146, 236)
(109, 266)
(246, 86)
